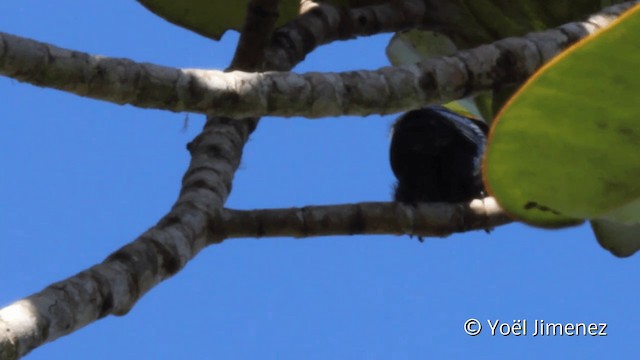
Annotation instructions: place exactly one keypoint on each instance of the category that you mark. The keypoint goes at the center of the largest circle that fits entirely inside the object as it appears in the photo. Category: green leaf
(211, 18)
(567, 146)
(463, 24)
(471, 23)
(621, 240)
(353, 3)
(412, 46)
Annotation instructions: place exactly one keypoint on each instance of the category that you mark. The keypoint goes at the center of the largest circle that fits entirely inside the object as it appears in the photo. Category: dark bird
(436, 156)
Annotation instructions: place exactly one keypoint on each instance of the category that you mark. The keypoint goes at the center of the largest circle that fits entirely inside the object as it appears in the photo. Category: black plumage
(436, 156)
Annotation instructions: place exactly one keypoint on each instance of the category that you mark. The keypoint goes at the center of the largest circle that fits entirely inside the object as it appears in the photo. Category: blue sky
(81, 178)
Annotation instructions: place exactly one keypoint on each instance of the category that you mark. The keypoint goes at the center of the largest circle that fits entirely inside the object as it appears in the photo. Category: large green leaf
(353, 3)
(211, 18)
(567, 146)
(474, 22)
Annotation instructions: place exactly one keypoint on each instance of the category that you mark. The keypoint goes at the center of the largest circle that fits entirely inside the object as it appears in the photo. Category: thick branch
(325, 23)
(239, 94)
(437, 219)
(114, 286)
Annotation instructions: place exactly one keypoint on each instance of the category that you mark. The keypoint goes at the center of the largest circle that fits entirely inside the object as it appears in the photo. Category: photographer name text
(474, 327)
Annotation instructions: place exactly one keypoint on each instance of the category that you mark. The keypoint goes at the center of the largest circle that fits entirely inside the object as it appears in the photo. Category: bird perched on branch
(436, 155)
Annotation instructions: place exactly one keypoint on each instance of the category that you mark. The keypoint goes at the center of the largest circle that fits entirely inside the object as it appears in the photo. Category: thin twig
(437, 219)
(255, 35)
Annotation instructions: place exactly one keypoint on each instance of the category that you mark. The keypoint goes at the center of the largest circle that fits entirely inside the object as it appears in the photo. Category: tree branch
(114, 286)
(256, 34)
(324, 23)
(240, 94)
(434, 219)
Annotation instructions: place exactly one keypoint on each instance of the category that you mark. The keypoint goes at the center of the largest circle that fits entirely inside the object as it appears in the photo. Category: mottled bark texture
(198, 219)
(323, 24)
(313, 95)
(426, 219)
(114, 286)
